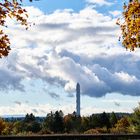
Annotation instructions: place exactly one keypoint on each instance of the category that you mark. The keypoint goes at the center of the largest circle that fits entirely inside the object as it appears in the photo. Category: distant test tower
(78, 99)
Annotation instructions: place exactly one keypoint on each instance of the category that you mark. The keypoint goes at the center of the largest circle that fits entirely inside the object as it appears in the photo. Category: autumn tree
(122, 126)
(130, 25)
(8, 130)
(72, 123)
(2, 125)
(17, 127)
(135, 120)
(85, 124)
(10, 9)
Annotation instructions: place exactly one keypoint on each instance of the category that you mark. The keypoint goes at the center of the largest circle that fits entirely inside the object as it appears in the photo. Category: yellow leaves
(2, 125)
(131, 26)
(10, 9)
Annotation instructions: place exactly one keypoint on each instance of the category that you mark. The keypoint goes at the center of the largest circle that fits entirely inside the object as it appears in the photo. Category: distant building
(78, 99)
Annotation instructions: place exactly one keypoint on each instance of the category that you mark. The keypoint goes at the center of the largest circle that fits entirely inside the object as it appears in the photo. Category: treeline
(56, 122)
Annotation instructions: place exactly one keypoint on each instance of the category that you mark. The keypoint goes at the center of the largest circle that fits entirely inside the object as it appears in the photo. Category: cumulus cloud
(65, 47)
(99, 2)
(10, 80)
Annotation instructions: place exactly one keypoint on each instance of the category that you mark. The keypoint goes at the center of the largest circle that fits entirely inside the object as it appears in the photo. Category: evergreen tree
(113, 119)
(29, 124)
(94, 121)
(58, 124)
(104, 120)
(48, 122)
(54, 122)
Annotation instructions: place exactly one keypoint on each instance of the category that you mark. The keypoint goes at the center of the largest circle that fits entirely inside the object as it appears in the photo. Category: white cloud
(115, 13)
(65, 48)
(89, 110)
(126, 78)
(23, 109)
(99, 2)
(44, 109)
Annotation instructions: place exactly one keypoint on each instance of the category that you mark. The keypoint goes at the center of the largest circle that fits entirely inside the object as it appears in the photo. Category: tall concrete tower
(78, 99)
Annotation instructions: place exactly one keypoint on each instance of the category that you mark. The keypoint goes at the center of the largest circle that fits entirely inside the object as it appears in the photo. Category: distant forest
(57, 123)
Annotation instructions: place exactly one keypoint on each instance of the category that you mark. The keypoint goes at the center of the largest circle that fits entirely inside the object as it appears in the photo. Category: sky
(69, 41)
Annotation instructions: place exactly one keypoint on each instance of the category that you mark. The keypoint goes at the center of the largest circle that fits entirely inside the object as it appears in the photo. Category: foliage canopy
(11, 9)
(130, 25)
(135, 120)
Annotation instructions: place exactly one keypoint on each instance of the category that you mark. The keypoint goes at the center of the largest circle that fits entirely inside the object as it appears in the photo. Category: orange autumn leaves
(130, 27)
(12, 9)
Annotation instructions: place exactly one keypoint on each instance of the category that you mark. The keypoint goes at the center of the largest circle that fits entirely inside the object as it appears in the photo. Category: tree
(104, 120)
(58, 125)
(29, 118)
(68, 122)
(130, 26)
(122, 126)
(85, 123)
(96, 131)
(94, 121)
(54, 122)
(113, 119)
(30, 124)
(12, 9)
(17, 127)
(48, 122)
(135, 120)
(2, 125)
(72, 123)
(8, 130)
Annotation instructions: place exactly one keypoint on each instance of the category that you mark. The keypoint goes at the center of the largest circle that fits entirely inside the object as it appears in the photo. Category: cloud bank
(65, 47)
(43, 109)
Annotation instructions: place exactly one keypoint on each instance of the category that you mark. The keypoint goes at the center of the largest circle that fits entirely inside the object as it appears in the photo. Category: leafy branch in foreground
(12, 9)
(130, 25)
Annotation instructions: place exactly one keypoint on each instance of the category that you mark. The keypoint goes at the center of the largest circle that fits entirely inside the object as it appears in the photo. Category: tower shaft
(78, 99)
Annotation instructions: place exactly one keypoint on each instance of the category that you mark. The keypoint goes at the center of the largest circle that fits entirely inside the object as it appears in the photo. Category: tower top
(78, 85)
